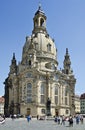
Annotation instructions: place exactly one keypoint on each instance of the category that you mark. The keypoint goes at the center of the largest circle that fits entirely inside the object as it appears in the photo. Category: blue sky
(65, 23)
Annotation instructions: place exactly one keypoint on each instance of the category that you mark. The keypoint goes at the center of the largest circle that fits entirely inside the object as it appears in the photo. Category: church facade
(36, 78)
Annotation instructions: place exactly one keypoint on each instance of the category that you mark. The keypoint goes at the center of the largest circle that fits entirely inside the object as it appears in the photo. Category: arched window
(28, 111)
(29, 62)
(56, 94)
(41, 22)
(36, 46)
(66, 97)
(42, 94)
(53, 67)
(67, 71)
(29, 92)
(65, 91)
(49, 47)
(36, 23)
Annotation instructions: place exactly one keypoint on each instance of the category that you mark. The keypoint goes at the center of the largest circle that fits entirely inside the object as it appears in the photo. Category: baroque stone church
(36, 78)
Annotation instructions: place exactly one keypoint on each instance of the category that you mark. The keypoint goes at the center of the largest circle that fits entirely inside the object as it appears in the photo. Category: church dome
(40, 41)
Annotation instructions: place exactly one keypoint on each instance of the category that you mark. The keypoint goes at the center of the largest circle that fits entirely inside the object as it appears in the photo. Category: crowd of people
(62, 119)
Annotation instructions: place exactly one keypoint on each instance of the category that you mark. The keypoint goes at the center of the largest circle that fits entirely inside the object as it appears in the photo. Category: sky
(65, 24)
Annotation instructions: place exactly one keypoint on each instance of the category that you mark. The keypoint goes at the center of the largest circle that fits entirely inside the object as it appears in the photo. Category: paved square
(22, 124)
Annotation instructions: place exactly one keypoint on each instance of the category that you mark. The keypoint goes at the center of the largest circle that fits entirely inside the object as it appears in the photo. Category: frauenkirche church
(36, 79)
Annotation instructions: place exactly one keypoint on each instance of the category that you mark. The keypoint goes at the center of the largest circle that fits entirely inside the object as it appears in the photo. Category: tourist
(70, 121)
(28, 118)
(63, 120)
(81, 119)
(77, 119)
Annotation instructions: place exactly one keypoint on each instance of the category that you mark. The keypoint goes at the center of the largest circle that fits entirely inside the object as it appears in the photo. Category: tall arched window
(36, 46)
(56, 94)
(49, 47)
(42, 94)
(29, 92)
(65, 91)
(67, 71)
(29, 62)
(66, 97)
(41, 22)
(36, 23)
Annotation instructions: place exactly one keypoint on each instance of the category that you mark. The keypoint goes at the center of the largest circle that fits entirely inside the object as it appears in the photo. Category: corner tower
(13, 66)
(67, 64)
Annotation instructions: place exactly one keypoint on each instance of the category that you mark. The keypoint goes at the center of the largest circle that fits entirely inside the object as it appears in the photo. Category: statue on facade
(48, 107)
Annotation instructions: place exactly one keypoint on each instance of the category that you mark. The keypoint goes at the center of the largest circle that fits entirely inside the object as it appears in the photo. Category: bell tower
(39, 21)
(67, 63)
(13, 67)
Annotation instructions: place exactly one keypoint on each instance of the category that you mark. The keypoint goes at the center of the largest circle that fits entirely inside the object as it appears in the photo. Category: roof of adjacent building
(82, 96)
(1, 100)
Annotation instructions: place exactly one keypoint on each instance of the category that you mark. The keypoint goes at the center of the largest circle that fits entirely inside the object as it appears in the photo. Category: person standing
(63, 120)
(70, 121)
(81, 119)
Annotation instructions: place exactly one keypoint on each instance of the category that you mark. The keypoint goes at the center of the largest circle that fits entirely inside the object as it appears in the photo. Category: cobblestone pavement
(22, 124)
